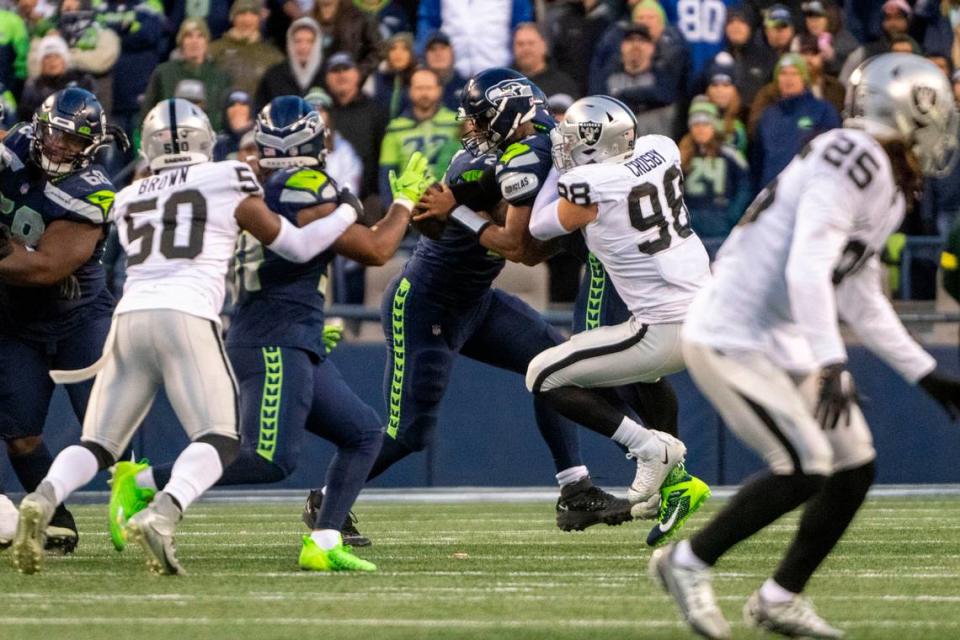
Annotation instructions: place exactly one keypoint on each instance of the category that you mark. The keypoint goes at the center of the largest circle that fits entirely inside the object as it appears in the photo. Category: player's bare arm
(64, 247)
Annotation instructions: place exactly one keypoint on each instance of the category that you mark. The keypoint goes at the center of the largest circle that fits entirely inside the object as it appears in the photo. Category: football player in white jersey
(763, 344)
(625, 195)
(178, 228)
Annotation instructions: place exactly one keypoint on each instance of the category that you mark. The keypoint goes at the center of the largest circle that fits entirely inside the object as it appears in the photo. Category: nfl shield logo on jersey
(590, 132)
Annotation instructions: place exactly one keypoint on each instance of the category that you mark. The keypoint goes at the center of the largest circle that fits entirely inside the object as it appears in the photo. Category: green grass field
(469, 571)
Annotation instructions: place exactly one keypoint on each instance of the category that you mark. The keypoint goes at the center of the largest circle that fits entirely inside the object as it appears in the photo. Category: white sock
(326, 539)
(631, 435)
(145, 480)
(196, 469)
(571, 475)
(73, 467)
(773, 592)
(684, 556)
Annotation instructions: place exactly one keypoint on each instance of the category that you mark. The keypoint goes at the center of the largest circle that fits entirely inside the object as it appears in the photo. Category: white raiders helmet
(176, 133)
(595, 129)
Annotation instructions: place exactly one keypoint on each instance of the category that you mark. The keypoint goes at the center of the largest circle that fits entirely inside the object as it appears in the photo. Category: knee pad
(104, 458)
(227, 448)
(429, 374)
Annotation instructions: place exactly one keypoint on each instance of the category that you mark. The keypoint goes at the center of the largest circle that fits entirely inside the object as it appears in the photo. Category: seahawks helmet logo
(508, 89)
(924, 99)
(590, 132)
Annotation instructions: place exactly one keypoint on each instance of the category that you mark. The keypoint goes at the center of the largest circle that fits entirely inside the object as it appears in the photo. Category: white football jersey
(826, 217)
(178, 230)
(642, 232)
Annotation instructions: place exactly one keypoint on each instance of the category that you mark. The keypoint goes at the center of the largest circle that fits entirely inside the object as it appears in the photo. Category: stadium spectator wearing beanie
(636, 83)
(242, 53)
(302, 69)
(345, 28)
(14, 45)
(896, 22)
(391, 82)
(823, 20)
(439, 56)
(723, 93)
(216, 13)
(388, 15)
(142, 35)
(753, 64)
(238, 118)
(671, 60)
(479, 30)
(530, 59)
(191, 63)
(359, 118)
(755, 10)
(54, 74)
(426, 125)
(574, 33)
(788, 124)
(716, 186)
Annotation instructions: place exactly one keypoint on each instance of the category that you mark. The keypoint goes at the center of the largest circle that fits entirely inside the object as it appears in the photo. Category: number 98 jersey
(642, 232)
(178, 230)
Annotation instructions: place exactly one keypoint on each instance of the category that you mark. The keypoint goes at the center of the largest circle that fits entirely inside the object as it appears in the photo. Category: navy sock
(391, 453)
(161, 474)
(31, 468)
(560, 434)
(346, 475)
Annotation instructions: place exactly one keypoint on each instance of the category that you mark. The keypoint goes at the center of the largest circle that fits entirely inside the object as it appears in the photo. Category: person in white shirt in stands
(762, 340)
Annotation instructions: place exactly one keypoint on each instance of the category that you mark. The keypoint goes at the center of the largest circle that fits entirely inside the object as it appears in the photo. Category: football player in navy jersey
(276, 340)
(443, 305)
(54, 304)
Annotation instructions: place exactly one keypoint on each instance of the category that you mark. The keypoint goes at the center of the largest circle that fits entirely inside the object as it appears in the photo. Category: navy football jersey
(523, 168)
(456, 268)
(280, 303)
(29, 201)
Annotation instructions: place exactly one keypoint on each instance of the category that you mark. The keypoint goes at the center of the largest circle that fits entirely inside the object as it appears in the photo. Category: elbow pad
(301, 244)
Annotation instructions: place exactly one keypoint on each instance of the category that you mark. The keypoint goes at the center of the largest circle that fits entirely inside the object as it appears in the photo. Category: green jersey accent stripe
(399, 355)
(598, 281)
(270, 403)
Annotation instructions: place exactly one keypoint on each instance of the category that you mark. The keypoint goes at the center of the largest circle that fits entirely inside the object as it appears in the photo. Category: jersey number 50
(168, 249)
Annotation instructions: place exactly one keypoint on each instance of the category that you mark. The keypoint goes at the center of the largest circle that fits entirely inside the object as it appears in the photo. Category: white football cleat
(796, 618)
(655, 460)
(693, 592)
(8, 521)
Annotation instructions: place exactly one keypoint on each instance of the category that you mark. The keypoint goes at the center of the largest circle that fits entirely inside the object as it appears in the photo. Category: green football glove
(413, 181)
(332, 333)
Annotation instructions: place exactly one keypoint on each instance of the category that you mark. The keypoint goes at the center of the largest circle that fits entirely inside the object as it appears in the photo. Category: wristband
(404, 202)
(469, 219)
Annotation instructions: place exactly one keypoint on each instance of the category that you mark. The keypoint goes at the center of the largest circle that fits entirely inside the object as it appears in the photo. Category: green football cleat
(126, 499)
(680, 497)
(313, 558)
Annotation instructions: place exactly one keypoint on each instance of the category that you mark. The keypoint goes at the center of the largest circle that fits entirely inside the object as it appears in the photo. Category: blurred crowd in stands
(742, 85)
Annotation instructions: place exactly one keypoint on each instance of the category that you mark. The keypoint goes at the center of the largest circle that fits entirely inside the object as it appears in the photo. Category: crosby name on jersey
(178, 230)
(642, 232)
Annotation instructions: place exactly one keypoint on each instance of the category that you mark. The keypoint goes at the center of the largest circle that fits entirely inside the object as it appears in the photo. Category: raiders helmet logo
(924, 99)
(508, 89)
(590, 132)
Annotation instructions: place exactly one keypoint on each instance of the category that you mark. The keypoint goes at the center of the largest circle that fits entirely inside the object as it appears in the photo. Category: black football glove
(117, 136)
(837, 395)
(6, 241)
(944, 389)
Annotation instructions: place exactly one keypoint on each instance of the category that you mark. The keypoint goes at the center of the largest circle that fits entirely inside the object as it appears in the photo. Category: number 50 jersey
(178, 230)
(642, 232)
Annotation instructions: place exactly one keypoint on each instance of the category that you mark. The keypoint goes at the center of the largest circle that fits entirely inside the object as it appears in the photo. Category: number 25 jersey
(178, 230)
(642, 232)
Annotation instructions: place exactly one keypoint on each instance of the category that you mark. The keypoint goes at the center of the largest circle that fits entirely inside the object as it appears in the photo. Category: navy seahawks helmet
(495, 102)
(68, 127)
(290, 133)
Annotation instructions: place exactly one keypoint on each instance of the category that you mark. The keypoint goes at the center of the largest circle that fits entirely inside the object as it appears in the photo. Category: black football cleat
(583, 505)
(348, 532)
(62, 536)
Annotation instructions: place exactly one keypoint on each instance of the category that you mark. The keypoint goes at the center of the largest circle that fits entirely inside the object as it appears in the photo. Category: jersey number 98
(680, 218)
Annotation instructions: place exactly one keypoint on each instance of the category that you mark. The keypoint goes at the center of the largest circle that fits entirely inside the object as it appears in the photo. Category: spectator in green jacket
(427, 127)
(242, 52)
(193, 41)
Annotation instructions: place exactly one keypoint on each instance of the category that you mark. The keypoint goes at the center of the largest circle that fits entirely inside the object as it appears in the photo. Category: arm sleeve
(824, 220)
(863, 305)
(301, 244)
